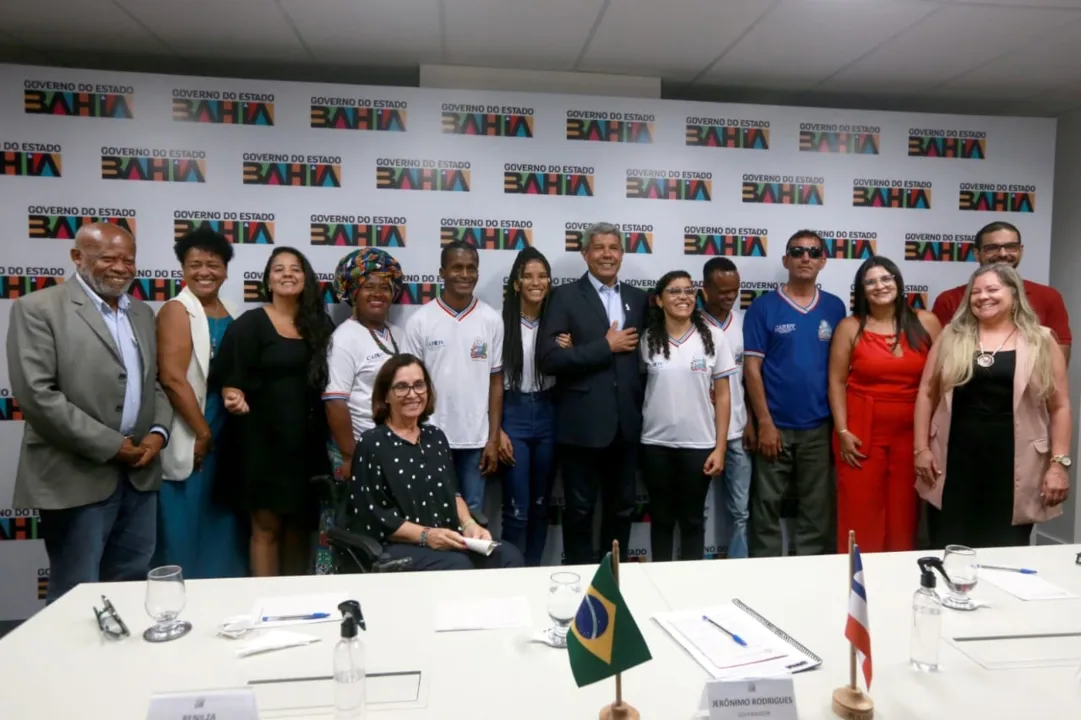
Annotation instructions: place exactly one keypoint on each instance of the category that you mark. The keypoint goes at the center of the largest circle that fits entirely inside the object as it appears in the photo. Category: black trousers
(677, 496)
(505, 555)
(611, 471)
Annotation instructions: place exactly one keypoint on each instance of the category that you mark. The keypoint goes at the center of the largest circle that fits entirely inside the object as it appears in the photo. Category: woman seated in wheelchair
(404, 491)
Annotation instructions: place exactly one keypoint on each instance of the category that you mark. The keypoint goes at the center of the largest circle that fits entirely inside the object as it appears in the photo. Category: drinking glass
(165, 598)
(564, 597)
(961, 567)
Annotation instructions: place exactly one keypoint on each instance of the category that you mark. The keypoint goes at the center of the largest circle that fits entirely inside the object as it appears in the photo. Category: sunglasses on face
(799, 251)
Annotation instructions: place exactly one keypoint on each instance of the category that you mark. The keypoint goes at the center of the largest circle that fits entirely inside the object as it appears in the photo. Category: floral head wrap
(355, 268)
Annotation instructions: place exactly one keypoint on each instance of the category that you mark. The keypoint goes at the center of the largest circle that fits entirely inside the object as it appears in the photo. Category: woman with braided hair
(685, 415)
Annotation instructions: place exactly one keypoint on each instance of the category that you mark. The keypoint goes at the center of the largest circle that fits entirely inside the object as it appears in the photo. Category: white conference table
(57, 666)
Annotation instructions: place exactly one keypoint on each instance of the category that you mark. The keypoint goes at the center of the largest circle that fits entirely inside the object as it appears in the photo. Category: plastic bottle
(926, 617)
(349, 678)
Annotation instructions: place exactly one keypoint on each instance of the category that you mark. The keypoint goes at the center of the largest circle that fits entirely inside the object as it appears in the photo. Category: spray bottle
(927, 617)
(349, 699)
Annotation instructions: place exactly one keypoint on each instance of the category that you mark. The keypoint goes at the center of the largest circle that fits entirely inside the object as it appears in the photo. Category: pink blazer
(1031, 445)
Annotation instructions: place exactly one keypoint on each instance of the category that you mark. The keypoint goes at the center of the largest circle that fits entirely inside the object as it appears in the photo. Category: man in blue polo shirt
(786, 347)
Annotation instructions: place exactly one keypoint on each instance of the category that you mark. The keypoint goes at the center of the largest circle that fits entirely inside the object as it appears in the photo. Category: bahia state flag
(604, 639)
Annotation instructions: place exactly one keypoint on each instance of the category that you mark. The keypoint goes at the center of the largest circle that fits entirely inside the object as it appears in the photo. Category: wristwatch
(1063, 460)
(424, 537)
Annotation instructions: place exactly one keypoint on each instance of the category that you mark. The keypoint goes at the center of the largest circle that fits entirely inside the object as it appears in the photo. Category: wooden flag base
(852, 704)
(619, 711)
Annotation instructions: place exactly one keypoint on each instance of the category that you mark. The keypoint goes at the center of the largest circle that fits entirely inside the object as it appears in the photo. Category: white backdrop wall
(329, 167)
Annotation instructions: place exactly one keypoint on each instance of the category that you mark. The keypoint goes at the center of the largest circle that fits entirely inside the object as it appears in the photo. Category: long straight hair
(312, 322)
(513, 356)
(905, 320)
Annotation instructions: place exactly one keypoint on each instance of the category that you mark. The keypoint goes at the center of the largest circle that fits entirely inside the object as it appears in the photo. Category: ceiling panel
(804, 41)
(220, 28)
(372, 32)
(548, 34)
(673, 40)
(83, 25)
(955, 39)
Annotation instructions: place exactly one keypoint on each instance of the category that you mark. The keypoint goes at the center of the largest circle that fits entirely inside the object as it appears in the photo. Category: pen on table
(1023, 571)
(284, 618)
(736, 638)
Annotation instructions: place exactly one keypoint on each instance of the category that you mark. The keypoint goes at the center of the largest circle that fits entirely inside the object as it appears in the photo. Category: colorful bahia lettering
(535, 183)
(78, 104)
(357, 118)
(238, 232)
(292, 174)
(358, 235)
(728, 245)
(223, 112)
(30, 164)
(413, 178)
(487, 238)
(492, 125)
(64, 227)
(153, 169)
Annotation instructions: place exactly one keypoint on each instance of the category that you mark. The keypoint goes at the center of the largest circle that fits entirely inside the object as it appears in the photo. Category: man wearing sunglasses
(1000, 242)
(786, 338)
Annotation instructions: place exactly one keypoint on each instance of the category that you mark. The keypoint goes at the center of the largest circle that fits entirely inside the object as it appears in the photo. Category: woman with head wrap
(369, 280)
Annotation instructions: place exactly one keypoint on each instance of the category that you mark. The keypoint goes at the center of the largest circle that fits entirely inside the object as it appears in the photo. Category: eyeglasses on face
(402, 389)
(676, 292)
(109, 622)
(993, 249)
(883, 280)
(799, 251)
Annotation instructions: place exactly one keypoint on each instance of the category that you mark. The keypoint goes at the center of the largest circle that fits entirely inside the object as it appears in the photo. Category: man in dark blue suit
(599, 392)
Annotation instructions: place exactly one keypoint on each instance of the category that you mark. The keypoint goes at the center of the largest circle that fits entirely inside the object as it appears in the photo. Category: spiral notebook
(707, 634)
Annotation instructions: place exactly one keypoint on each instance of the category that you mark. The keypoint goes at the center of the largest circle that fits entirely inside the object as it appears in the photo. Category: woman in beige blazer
(993, 418)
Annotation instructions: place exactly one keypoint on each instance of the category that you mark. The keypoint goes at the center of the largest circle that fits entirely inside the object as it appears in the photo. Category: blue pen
(736, 638)
(285, 618)
(1023, 571)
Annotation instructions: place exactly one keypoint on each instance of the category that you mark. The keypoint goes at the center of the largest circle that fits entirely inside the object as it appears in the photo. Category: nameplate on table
(772, 698)
(233, 704)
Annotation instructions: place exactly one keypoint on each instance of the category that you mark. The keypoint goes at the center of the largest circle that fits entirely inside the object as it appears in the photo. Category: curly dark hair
(313, 323)
(384, 379)
(512, 325)
(657, 334)
(206, 239)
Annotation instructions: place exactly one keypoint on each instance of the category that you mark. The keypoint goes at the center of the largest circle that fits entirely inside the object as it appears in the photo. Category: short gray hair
(601, 228)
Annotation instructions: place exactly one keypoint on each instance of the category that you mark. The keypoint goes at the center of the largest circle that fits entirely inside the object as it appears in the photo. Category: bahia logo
(420, 289)
(849, 244)
(19, 524)
(997, 197)
(61, 222)
(157, 285)
(352, 113)
(430, 175)
(527, 179)
(652, 184)
(637, 238)
(737, 133)
(487, 233)
(947, 143)
(940, 247)
(239, 228)
(223, 107)
(834, 138)
(280, 169)
(153, 164)
(27, 159)
(610, 126)
(489, 120)
(358, 230)
(82, 99)
(727, 241)
(21, 281)
(783, 189)
(904, 194)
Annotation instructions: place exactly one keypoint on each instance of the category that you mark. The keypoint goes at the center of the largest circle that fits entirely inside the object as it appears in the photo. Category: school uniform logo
(435, 344)
(784, 328)
(825, 332)
(698, 364)
(479, 351)
(739, 358)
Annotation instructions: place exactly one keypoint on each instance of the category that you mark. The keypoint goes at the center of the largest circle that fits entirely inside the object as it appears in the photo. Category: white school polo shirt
(732, 327)
(529, 356)
(461, 351)
(356, 355)
(677, 411)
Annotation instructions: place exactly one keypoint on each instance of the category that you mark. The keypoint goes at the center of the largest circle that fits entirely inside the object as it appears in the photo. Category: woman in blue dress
(206, 539)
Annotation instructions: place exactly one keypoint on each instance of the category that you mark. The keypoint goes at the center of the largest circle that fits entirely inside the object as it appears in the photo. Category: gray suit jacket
(68, 378)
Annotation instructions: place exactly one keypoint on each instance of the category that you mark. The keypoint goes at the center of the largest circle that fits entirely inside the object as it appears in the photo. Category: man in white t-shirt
(459, 338)
(720, 285)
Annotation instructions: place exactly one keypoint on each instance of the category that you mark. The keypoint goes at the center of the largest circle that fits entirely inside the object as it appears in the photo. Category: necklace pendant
(984, 360)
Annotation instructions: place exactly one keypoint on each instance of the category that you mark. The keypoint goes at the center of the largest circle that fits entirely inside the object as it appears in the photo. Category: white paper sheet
(274, 640)
(483, 547)
(1026, 587)
(297, 605)
(482, 614)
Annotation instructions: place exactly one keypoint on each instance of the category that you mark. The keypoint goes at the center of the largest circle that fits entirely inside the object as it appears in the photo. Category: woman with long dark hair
(527, 445)
(876, 359)
(685, 415)
(272, 370)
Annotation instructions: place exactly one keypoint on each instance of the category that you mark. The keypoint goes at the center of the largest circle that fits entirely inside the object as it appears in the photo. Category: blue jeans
(471, 483)
(529, 422)
(107, 541)
(736, 484)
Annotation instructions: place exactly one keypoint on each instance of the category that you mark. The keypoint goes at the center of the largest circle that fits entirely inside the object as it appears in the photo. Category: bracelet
(843, 432)
(921, 451)
(424, 537)
(468, 523)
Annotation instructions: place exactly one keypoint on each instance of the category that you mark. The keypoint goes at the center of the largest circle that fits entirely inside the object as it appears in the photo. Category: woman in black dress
(404, 491)
(272, 369)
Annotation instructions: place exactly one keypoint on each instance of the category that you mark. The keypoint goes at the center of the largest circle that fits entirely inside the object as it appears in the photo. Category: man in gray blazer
(83, 366)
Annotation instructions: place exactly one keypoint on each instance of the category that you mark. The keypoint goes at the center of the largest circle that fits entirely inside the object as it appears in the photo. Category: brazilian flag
(604, 639)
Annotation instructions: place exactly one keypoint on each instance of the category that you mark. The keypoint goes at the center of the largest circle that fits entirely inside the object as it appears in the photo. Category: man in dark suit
(599, 392)
(83, 364)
